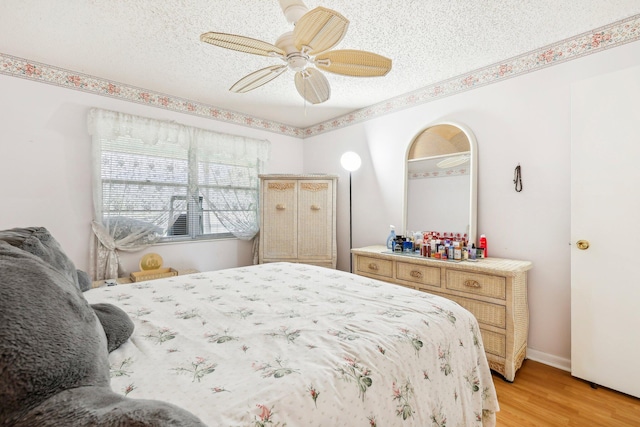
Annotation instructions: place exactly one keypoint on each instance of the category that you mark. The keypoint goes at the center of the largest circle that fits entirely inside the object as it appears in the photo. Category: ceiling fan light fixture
(450, 162)
(298, 62)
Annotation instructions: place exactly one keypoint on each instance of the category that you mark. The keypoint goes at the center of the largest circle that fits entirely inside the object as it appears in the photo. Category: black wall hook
(517, 178)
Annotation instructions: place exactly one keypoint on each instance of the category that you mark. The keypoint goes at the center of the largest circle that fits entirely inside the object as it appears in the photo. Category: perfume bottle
(392, 238)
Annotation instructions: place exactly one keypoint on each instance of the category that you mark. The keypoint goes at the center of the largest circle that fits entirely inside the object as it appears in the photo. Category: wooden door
(605, 206)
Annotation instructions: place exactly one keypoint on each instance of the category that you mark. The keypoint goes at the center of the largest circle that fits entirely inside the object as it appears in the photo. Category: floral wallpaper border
(618, 33)
(438, 174)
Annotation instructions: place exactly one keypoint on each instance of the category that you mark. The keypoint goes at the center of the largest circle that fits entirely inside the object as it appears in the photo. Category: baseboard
(549, 359)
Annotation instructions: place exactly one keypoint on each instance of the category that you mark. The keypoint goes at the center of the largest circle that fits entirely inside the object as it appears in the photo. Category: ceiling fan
(306, 50)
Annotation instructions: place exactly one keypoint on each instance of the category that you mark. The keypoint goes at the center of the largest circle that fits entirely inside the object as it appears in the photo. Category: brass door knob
(582, 244)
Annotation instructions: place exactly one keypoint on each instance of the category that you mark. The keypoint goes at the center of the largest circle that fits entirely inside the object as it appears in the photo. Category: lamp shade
(350, 161)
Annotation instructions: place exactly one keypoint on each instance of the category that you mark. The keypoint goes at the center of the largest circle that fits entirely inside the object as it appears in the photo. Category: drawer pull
(373, 266)
(416, 274)
(280, 207)
(471, 284)
(315, 207)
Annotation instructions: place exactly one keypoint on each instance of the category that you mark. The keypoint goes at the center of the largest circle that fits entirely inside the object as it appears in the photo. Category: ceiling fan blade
(257, 78)
(242, 44)
(319, 30)
(312, 85)
(356, 63)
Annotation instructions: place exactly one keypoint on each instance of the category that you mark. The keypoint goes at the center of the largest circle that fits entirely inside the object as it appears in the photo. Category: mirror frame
(473, 177)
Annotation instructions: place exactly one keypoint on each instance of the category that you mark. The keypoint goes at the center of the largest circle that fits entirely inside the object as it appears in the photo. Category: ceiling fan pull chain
(304, 97)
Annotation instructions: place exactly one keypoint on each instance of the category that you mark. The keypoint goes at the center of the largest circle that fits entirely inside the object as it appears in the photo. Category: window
(162, 181)
(185, 223)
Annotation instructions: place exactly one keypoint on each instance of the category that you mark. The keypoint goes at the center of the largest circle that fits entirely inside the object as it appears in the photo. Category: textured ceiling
(154, 44)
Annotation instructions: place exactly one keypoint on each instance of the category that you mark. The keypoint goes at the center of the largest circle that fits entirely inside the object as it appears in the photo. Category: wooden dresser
(493, 289)
(298, 219)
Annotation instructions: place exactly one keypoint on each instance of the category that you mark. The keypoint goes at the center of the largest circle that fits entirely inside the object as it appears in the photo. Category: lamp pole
(350, 227)
(350, 161)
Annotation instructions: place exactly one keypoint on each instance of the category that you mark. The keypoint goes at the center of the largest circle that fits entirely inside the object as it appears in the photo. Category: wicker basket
(140, 276)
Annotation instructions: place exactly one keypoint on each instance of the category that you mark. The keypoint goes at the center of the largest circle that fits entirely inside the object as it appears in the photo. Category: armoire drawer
(375, 266)
(419, 274)
(477, 284)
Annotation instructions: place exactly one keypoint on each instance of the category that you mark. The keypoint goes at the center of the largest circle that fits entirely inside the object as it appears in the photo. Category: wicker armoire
(298, 219)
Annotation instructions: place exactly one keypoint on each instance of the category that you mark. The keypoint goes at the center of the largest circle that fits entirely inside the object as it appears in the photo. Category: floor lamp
(351, 162)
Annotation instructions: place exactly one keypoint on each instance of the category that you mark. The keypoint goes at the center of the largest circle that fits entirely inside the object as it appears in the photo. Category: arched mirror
(441, 181)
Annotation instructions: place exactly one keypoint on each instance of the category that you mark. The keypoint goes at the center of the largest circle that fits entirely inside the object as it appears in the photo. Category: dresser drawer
(484, 312)
(478, 284)
(374, 266)
(494, 342)
(419, 274)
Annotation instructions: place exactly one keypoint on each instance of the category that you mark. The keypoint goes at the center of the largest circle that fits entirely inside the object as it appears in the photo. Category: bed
(292, 344)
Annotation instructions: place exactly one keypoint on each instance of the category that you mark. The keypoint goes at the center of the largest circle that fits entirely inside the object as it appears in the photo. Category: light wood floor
(545, 396)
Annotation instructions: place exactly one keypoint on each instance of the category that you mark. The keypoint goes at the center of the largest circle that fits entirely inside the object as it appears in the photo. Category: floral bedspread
(296, 345)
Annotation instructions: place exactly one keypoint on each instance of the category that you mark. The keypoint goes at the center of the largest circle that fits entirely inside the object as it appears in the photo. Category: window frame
(196, 175)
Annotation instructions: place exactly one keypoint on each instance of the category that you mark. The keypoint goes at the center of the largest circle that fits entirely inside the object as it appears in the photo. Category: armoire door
(315, 219)
(280, 219)
(605, 230)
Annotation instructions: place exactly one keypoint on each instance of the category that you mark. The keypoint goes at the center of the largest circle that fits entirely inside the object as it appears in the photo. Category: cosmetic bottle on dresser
(483, 246)
(391, 238)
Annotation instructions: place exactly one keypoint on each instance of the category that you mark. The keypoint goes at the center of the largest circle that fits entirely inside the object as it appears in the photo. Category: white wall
(521, 120)
(45, 177)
